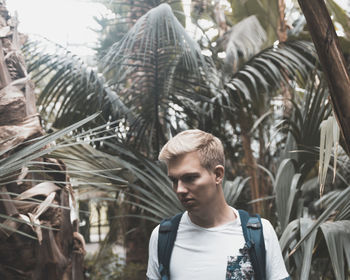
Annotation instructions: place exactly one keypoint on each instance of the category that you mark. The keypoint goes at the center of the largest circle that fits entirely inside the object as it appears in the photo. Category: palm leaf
(307, 248)
(232, 189)
(329, 138)
(158, 28)
(338, 202)
(287, 183)
(340, 15)
(72, 90)
(309, 110)
(337, 236)
(16, 160)
(16, 163)
(268, 69)
(128, 172)
(158, 64)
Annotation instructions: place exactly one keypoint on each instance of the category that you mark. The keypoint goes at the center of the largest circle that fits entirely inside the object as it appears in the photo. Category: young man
(210, 242)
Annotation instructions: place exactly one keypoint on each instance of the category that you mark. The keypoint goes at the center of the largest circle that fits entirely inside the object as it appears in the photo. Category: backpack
(253, 235)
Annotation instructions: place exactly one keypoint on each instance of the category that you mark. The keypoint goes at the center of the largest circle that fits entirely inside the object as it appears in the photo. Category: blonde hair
(210, 148)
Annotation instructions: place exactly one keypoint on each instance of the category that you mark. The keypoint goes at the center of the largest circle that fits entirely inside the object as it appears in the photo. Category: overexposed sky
(65, 22)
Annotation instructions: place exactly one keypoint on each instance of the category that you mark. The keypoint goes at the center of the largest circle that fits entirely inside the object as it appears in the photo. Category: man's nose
(181, 188)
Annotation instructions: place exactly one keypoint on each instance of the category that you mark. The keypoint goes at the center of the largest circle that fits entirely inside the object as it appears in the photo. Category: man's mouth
(187, 201)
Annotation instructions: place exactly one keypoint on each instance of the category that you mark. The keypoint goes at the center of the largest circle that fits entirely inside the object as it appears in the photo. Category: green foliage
(124, 15)
(110, 266)
(156, 82)
(72, 89)
(19, 161)
(265, 11)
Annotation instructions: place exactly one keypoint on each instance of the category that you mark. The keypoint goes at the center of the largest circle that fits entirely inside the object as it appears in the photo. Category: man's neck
(213, 216)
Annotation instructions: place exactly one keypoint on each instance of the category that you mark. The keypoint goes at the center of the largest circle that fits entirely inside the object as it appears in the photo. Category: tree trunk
(332, 61)
(250, 162)
(282, 34)
(58, 250)
(220, 17)
(281, 23)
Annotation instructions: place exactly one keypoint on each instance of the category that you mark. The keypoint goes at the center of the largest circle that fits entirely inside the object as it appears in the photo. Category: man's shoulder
(268, 230)
(266, 225)
(155, 232)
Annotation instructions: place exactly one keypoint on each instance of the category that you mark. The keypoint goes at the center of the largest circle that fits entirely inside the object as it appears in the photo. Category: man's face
(195, 186)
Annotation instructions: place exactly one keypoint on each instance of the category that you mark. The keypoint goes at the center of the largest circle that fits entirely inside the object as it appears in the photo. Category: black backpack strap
(166, 238)
(254, 238)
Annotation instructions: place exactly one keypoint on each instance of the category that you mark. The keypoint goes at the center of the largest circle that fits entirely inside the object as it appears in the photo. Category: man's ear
(219, 172)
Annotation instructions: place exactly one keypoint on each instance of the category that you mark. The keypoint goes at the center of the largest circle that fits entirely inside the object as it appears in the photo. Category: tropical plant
(301, 212)
(38, 239)
(111, 266)
(266, 105)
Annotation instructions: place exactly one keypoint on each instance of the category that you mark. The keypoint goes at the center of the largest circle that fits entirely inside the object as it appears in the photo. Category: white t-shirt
(215, 253)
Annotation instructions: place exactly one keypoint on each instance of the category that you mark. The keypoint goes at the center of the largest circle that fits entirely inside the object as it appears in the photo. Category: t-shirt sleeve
(275, 267)
(152, 269)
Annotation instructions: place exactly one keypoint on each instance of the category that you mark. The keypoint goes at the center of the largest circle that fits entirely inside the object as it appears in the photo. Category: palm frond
(24, 207)
(340, 15)
(126, 172)
(307, 248)
(338, 202)
(286, 185)
(158, 70)
(270, 68)
(309, 110)
(232, 189)
(158, 32)
(16, 160)
(72, 90)
(337, 236)
(329, 138)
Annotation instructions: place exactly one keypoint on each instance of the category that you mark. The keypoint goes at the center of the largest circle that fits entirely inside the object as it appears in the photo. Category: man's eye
(189, 178)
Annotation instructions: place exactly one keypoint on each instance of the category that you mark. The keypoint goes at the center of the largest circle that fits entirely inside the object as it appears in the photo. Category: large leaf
(337, 235)
(152, 187)
(232, 189)
(157, 33)
(340, 15)
(287, 183)
(329, 138)
(16, 160)
(71, 89)
(266, 11)
(270, 68)
(309, 110)
(14, 165)
(162, 76)
(342, 199)
(244, 39)
(98, 175)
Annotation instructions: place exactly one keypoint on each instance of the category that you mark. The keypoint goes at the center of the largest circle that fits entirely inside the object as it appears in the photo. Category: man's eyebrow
(171, 177)
(190, 174)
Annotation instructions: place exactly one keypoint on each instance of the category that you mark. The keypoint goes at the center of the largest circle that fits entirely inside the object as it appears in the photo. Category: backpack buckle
(254, 223)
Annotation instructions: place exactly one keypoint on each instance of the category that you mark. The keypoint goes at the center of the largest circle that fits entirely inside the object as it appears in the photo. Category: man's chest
(200, 254)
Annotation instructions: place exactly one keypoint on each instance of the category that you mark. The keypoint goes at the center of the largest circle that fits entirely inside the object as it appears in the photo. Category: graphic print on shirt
(239, 267)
